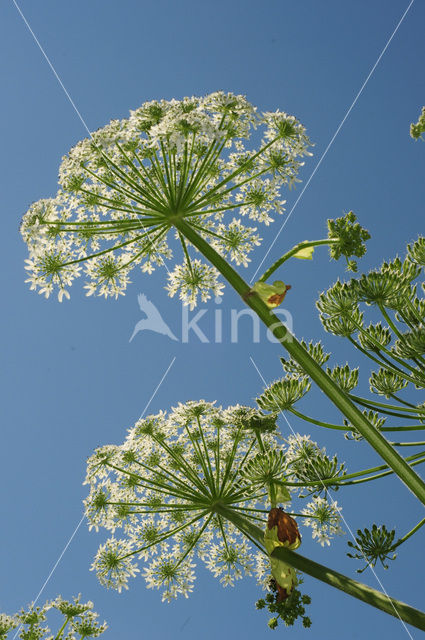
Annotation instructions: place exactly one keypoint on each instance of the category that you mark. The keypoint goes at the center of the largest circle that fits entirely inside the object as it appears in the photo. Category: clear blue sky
(71, 379)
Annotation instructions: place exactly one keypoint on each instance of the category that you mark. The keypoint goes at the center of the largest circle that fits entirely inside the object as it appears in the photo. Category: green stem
(383, 405)
(272, 492)
(388, 319)
(301, 245)
(340, 427)
(408, 444)
(62, 629)
(378, 475)
(319, 423)
(339, 398)
(419, 360)
(411, 532)
(340, 480)
(333, 578)
(380, 348)
(382, 360)
(401, 401)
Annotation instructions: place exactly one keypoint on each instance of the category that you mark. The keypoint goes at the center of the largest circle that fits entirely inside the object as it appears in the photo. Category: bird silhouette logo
(153, 320)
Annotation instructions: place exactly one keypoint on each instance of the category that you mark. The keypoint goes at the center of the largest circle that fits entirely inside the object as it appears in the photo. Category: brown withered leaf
(287, 528)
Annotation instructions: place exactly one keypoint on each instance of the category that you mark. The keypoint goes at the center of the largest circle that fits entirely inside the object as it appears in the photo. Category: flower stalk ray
(168, 161)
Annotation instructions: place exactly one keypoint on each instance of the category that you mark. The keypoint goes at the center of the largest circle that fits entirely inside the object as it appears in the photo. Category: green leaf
(305, 254)
(271, 294)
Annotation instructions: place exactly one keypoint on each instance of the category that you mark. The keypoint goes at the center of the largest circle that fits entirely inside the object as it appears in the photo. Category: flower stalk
(292, 252)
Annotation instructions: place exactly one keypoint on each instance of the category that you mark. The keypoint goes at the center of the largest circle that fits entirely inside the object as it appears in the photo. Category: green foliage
(345, 325)
(381, 287)
(338, 301)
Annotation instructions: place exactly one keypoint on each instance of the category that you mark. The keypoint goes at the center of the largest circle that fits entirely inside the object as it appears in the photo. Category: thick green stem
(309, 365)
(329, 576)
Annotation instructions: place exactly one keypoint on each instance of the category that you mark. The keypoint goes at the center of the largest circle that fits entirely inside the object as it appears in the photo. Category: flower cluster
(349, 239)
(324, 519)
(287, 610)
(170, 164)
(79, 621)
(373, 545)
(175, 491)
(393, 292)
(418, 128)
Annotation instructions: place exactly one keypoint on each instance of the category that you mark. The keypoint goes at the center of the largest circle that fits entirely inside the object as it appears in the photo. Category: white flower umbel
(78, 621)
(126, 186)
(324, 519)
(168, 493)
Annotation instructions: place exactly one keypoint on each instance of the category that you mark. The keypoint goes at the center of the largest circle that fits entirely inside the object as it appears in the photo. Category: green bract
(123, 189)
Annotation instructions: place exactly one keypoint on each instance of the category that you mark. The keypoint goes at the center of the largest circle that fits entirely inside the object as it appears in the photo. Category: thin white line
(157, 387)
(81, 521)
(52, 68)
(339, 509)
(68, 95)
(332, 139)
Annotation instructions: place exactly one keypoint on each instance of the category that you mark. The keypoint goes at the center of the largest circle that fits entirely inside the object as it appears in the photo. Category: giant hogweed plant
(79, 622)
(221, 487)
(382, 315)
(201, 170)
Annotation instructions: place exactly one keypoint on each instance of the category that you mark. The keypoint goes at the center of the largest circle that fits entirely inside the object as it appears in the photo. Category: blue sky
(71, 379)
